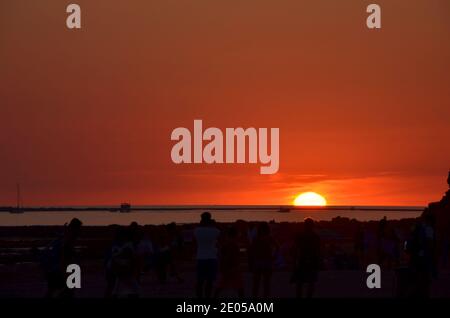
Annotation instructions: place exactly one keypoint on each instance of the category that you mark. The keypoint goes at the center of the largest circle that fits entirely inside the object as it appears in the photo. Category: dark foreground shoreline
(342, 272)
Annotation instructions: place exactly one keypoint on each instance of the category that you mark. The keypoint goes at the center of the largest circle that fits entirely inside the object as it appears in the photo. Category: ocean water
(181, 215)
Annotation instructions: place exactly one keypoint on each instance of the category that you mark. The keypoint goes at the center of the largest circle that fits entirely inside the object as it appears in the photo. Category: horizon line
(217, 207)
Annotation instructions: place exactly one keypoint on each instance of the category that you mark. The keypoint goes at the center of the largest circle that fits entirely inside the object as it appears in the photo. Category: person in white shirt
(206, 236)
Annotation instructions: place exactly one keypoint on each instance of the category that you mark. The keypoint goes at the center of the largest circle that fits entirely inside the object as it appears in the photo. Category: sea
(106, 215)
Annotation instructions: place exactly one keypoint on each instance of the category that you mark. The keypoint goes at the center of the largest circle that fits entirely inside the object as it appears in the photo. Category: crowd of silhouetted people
(136, 250)
(218, 258)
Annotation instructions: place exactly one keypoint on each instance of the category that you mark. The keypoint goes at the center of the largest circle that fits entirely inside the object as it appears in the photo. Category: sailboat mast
(18, 196)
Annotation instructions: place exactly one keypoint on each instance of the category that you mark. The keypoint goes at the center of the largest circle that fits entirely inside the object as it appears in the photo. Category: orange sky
(87, 114)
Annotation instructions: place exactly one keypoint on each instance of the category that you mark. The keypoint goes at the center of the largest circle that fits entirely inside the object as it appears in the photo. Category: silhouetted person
(145, 251)
(388, 250)
(360, 246)
(391, 248)
(381, 237)
(110, 274)
(125, 265)
(175, 248)
(422, 249)
(167, 247)
(135, 233)
(230, 273)
(60, 254)
(161, 249)
(441, 211)
(251, 232)
(261, 257)
(206, 235)
(307, 259)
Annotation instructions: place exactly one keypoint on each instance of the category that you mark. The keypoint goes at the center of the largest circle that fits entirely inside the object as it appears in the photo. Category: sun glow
(310, 199)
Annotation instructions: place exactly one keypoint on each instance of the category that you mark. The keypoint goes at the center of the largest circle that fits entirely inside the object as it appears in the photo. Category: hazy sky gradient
(87, 114)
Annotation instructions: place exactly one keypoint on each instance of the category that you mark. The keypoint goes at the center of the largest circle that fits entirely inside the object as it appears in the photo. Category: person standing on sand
(206, 236)
(307, 259)
(59, 255)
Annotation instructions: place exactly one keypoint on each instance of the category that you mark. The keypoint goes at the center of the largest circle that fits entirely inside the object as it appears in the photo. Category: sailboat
(18, 208)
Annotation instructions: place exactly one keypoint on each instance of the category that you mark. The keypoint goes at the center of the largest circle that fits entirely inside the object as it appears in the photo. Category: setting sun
(310, 199)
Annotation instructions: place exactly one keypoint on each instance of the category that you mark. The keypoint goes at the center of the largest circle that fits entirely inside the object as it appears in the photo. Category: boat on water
(125, 208)
(283, 209)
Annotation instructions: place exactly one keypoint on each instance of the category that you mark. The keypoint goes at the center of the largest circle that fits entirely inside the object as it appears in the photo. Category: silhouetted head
(171, 227)
(75, 224)
(448, 178)
(382, 223)
(134, 226)
(73, 229)
(309, 224)
(134, 232)
(205, 218)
